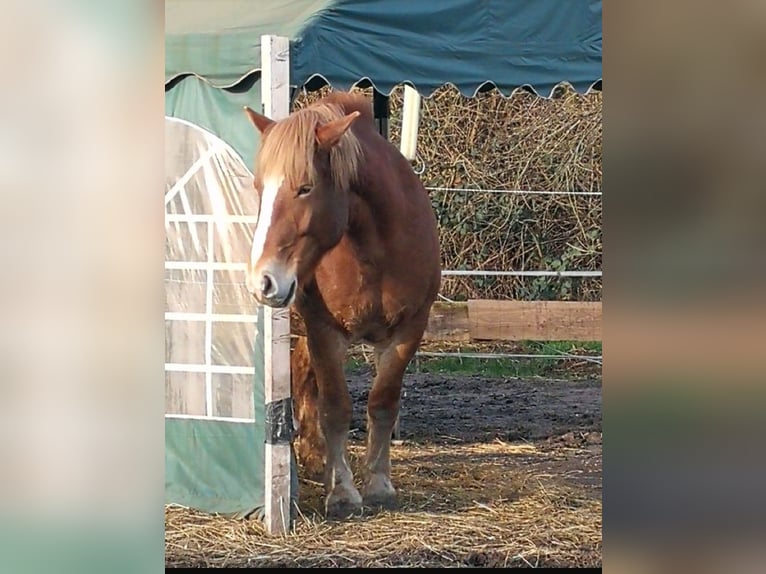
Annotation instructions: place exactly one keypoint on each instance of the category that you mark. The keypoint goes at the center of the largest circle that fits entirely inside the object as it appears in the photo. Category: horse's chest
(356, 306)
(360, 302)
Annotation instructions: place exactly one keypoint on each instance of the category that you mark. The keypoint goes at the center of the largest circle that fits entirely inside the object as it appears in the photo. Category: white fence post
(275, 94)
(410, 123)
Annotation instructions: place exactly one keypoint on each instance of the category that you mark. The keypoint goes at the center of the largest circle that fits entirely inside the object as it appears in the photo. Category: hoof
(313, 467)
(340, 506)
(381, 500)
(380, 493)
(310, 456)
(343, 510)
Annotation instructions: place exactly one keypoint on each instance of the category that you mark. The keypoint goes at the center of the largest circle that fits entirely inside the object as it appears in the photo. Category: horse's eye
(304, 190)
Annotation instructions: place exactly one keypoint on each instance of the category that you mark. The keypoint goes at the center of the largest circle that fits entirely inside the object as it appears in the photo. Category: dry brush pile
(522, 142)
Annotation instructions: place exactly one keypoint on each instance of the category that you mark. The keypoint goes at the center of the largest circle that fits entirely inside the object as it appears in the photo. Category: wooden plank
(534, 320)
(448, 322)
(275, 93)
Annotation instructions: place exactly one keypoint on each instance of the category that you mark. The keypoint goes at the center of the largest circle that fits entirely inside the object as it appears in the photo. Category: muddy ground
(453, 408)
(560, 418)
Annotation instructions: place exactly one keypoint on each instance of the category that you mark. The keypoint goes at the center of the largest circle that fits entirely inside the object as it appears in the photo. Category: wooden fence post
(275, 94)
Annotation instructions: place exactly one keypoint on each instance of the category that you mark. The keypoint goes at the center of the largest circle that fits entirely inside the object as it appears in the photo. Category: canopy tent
(212, 70)
(213, 52)
(507, 43)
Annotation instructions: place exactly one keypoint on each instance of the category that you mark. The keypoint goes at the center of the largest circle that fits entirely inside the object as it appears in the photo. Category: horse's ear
(259, 121)
(330, 133)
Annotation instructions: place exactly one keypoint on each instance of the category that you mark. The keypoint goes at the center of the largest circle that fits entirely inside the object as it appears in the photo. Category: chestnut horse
(347, 234)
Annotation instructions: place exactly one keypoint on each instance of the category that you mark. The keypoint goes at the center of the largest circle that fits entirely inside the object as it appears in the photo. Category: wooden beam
(448, 322)
(275, 93)
(534, 320)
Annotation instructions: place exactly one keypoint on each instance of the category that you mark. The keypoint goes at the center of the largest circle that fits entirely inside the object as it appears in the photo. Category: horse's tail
(309, 443)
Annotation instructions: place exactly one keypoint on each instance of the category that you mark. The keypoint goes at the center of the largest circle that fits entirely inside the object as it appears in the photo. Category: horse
(347, 238)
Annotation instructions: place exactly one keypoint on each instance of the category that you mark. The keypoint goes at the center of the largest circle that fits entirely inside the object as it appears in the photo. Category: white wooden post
(275, 94)
(410, 122)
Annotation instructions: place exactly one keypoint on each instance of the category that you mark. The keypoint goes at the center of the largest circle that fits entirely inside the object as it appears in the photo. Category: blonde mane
(288, 150)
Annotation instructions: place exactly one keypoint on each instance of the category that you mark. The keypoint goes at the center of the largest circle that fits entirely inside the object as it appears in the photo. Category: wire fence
(516, 191)
(581, 273)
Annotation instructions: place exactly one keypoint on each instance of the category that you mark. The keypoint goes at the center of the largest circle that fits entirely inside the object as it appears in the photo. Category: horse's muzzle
(273, 289)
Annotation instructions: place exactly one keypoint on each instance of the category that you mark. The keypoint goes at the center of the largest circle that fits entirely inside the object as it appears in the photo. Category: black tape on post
(279, 421)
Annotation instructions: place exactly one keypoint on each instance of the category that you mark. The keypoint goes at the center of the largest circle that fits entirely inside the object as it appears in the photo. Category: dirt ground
(560, 418)
(462, 408)
(490, 472)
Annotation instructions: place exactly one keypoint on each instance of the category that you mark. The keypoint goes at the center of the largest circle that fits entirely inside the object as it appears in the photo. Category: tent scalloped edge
(593, 87)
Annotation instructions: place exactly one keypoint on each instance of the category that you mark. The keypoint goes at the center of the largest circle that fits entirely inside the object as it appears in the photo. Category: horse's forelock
(288, 150)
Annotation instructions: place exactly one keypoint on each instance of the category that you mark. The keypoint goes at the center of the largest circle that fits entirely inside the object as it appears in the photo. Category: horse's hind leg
(309, 443)
(391, 361)
(328, 352)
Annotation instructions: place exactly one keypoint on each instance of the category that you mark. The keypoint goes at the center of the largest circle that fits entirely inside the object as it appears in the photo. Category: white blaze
(270, 189)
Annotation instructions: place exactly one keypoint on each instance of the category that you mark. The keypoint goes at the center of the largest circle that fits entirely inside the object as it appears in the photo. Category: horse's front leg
(328, 352)
(391, 361)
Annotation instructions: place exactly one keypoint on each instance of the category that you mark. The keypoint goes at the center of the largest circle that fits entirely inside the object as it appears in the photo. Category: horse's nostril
(268, 285)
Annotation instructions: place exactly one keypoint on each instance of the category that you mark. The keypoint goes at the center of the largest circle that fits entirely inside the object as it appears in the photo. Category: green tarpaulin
(508, 43)
(217, 110)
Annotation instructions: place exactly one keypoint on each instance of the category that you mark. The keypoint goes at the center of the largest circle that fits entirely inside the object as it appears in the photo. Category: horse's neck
(377, 206)
(370, 219)
(367, 218)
